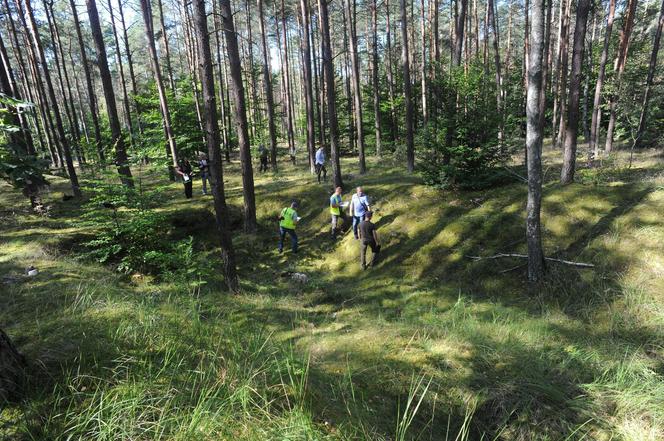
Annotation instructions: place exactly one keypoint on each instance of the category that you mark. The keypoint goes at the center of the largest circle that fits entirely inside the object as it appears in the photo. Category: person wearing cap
(359, 205)
(368, 238)
(288, 219)
(336, 210)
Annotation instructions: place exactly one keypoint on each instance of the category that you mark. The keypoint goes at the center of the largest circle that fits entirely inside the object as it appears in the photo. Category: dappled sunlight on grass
(581, 350)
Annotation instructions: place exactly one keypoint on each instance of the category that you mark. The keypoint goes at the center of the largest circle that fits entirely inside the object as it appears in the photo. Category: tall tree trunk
(269, 98)
(88, 82)
(109, 95)
(545, 66)
(649, 79)
(328, 69)
(355, 79)
(593, 144)
(308, 89)
(459, 33)
(167, 50)
(212, 140)
(123, 81)
(423, 65)
(561, 84)
(39, 52)
(394, 127)
(221, 88)
(130, 64)
(534, 137)
(619, 68)
(496, 60)
(569, 157)
(586, 82)
(237, 89)
(405, 65)
(171, 147)
(287, 85)
(374, 74)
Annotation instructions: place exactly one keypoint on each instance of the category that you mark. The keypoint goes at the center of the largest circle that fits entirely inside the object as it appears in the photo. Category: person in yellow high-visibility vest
(288, 219)
(336, 210)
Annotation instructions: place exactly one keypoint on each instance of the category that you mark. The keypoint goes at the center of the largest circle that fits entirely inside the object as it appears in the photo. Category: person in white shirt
(319, 163)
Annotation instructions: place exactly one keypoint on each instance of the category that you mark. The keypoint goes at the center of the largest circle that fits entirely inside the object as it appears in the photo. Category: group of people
(359, 209)
(185, 170)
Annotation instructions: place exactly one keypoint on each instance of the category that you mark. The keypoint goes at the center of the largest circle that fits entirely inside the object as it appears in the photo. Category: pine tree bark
(572, 126)
(171, 148)
(237, 89)
(459, 33)
(221, 88)
(534, 137)
(267, 80)
(123, 81)
(88, 82)
(308, 89)
(355, 81)
(130, 65)
(109, 95)
(496, 60)
(39, 52)
(408, 102)
(390, 74)
(12, 365)
(167, 50)
(649, 80)
(287, 84)
(374, 75)
(330, 92)
(206, 74)
(423, 65)
(593, 144)
(619, 68)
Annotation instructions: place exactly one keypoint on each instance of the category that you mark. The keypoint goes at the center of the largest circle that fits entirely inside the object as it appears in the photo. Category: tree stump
(12, 365)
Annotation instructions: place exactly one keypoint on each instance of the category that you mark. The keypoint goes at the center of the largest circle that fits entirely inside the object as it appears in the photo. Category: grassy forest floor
(427, 345)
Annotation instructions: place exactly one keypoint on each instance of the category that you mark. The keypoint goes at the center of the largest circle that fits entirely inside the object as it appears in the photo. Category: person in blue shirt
(359, 205)
(319, 163)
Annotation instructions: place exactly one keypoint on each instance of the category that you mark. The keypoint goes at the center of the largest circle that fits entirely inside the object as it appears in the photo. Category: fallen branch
(524, 256)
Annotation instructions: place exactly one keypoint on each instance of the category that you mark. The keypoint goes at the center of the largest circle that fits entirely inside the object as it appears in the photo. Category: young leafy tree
(109, 96)
(212, 141)
(237, 89)
(534, 137)
(572, 126)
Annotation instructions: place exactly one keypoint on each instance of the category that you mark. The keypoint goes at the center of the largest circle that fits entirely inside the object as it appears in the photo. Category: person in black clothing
(368, 238)
(204, 169)
(262, 154)
(184, 170)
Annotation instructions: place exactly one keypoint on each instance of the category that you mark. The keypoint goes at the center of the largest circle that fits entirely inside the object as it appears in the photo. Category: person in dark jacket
(184, 170)
(368, 238)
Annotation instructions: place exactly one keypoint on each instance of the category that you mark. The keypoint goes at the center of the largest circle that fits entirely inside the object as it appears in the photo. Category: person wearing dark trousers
(368, 238)
(288, 219)
(319, 164)
(204, 169)
(184, 170)
(336, 210)
(262, 155)
(359, 205)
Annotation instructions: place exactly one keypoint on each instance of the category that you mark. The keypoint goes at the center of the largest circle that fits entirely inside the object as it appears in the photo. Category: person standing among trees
(288, 219)
(319, 163)
(359, 206)
(184, 170)
(204, 169)
(369, 238)
(336, 210)
(262, 155)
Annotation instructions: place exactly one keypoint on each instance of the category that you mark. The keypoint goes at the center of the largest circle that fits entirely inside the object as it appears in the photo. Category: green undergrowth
(430, 344)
